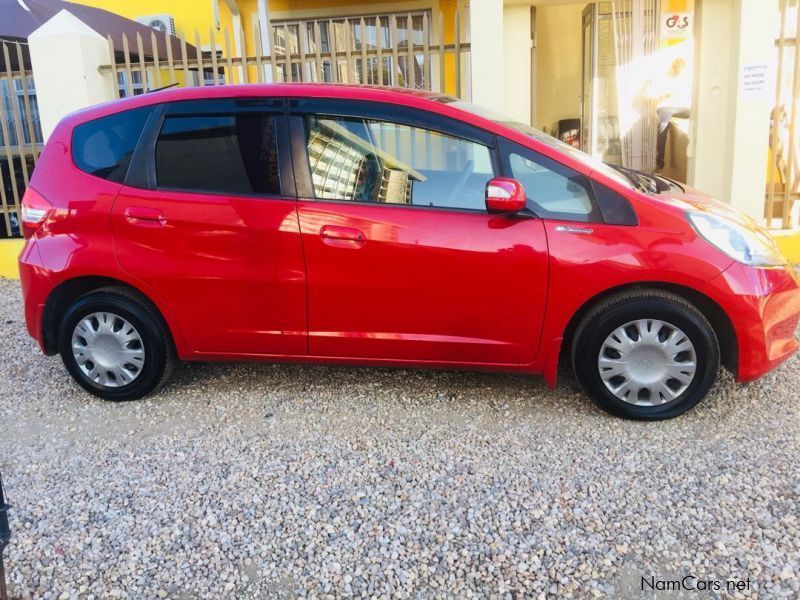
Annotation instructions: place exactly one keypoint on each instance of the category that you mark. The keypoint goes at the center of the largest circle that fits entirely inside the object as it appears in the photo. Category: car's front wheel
(115, 345)
(645, 354)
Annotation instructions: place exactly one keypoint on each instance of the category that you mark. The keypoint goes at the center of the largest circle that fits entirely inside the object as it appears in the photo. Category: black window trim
(299, 108)
(142, 170)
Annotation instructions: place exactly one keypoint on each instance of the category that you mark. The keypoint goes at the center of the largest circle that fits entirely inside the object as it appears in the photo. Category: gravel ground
(277, 481)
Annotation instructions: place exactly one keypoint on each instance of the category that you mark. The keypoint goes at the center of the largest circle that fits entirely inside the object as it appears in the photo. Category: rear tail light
(35, 210)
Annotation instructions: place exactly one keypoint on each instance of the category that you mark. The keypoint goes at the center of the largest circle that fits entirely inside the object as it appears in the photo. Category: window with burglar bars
(782, 202)
(386, 34)
(14, 107)
(401, 49)
(136, 84)
(20, 133)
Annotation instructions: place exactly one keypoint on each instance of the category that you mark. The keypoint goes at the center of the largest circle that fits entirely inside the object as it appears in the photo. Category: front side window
(553, 189)
(365, 160)
(104, 147)
(227, 154)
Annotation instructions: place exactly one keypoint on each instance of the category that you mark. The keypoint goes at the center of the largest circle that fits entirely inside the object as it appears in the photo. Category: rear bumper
(36, 285)
(764, 307)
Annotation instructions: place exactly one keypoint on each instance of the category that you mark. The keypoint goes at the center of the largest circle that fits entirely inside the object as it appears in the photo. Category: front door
(212, 227)
(402, 260)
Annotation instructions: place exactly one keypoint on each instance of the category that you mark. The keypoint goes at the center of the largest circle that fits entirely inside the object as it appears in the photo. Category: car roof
(421, 99)
(292, 90)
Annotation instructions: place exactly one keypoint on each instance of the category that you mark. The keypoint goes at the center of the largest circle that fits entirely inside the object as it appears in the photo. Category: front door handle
(345, 237)
(143, 215)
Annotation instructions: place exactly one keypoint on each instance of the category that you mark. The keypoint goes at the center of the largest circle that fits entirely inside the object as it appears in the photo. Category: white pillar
(65, 55)
(517, 62)
(486, 54)
(728, 157)
(264, 25)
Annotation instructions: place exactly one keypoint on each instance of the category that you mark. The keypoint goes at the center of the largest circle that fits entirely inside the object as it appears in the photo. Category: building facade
(702, 91)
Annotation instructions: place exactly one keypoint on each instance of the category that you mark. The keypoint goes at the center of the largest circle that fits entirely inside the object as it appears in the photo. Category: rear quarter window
(103, 147)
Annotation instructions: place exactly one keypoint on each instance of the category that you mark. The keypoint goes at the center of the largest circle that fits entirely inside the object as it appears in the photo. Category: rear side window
(104, 147)
(227, 154)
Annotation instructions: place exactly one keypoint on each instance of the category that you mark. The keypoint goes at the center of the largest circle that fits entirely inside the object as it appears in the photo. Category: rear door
(403, 261)
(207, 218)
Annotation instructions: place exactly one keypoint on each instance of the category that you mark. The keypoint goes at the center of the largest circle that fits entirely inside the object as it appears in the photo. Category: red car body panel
(763, 305)
(424, 284)
(337, 282)
(233, 266)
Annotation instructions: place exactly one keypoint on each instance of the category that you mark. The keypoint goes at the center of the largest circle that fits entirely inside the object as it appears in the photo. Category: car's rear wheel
(645, 354)
(115, 345)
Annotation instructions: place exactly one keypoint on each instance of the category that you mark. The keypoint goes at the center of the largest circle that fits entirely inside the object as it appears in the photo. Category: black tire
(159, 353)
(623, 308)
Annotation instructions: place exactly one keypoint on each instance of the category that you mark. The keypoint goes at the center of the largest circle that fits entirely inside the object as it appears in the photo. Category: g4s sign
(676, 25)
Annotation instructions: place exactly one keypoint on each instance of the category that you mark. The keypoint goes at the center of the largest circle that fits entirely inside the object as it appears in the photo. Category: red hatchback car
(371, 226)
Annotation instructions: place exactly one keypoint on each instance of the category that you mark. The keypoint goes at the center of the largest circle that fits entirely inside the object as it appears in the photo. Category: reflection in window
(377, 161)
(103, 147)
(552, 187)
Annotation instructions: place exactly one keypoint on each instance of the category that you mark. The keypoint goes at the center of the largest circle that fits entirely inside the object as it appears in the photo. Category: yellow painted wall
(190, 15)
(9, 252)
(194, 19)
(558, 64)
(789, 243)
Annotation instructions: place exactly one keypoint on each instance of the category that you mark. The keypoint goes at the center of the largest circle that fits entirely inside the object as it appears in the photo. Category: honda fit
(371, 226)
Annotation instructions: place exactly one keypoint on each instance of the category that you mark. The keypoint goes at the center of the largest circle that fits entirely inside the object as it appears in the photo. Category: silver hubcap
(108, 349)
(647, 362)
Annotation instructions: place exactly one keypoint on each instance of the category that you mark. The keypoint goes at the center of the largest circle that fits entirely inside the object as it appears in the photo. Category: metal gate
(20, 133)
(399, 49)
(783, 175)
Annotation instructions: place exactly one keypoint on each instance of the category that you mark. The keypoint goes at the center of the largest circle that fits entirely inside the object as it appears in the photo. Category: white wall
(517, 62)
(486, 54)
(558, 64)
(728, 154)
(65, 55)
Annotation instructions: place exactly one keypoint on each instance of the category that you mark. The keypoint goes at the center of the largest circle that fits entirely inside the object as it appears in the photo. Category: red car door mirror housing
(504, 195)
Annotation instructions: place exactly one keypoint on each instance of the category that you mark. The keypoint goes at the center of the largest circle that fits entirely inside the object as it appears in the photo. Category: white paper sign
(755, 81)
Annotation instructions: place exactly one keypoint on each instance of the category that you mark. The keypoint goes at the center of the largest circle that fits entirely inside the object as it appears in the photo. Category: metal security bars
(20, 133)
(410, 49)
(783, 175)
(379, 36)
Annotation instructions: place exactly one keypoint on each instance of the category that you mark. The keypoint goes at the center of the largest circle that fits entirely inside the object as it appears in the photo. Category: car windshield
(539, 136)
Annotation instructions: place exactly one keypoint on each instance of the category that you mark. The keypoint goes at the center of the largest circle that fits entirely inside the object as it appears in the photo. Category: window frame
(300, 108)
(142, 170)
(508, 147)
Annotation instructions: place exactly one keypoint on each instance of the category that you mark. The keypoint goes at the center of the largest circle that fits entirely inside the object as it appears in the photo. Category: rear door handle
(345, 237)
(143, 215)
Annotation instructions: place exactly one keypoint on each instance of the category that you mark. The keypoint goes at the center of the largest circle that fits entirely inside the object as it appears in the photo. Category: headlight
(743, 241)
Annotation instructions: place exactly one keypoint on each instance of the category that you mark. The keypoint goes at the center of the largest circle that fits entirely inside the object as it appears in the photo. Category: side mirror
(504, 195)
